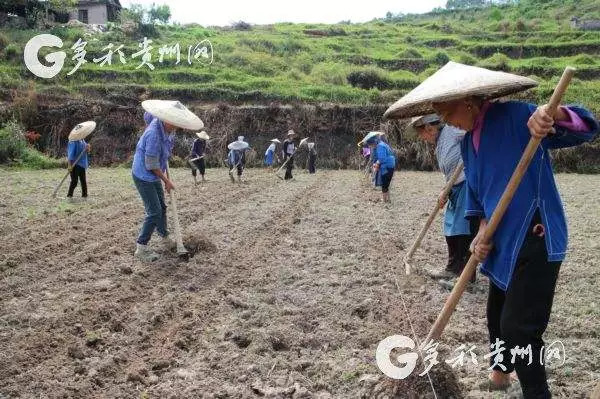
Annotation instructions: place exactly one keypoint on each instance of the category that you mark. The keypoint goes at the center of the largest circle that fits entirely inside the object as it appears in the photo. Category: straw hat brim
(173, 112)
(303, 141)
(203, 135)
(275, 141)
(238, 145)
(455, 81)
(82, 130)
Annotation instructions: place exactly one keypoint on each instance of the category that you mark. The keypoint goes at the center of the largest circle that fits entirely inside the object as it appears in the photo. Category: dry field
(291, 288)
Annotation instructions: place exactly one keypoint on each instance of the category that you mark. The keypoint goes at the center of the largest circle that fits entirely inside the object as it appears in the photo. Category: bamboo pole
(513, 184)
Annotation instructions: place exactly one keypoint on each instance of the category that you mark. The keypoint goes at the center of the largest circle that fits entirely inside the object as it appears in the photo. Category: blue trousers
(153, 196)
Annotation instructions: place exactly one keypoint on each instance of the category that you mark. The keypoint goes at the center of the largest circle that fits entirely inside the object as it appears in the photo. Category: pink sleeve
(576, 124)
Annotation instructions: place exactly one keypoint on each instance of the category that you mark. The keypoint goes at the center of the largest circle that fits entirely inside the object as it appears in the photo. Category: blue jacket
(74, 148)
(385, 156)
(504, 137)
(152, 152)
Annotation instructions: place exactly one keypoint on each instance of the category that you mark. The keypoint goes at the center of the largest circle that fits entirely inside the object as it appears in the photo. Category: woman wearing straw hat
(384, 162)
(457, 230)
(77, 157)
(197, 155)
(270, 153)
(530, 242)
(288, 154)
(236, 158)
(150, 164)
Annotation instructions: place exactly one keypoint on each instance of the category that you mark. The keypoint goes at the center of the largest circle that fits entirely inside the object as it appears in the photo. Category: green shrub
(12, 142)
(584, 59)
(496, 61)
(409, 53)
(368, 79)
(11, 52)
(3, 41)
(496, 14)
(33, 159)
(441, 58)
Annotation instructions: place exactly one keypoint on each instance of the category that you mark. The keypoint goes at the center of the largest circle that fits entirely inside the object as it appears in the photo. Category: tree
(159, 13)
(458, 4)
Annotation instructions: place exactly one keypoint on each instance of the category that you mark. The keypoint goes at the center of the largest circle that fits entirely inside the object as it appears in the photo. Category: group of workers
(467, 128)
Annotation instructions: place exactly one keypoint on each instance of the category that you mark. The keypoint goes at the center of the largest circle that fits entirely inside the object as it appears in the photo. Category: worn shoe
(440, 274)
(145, 254)
(167, 243)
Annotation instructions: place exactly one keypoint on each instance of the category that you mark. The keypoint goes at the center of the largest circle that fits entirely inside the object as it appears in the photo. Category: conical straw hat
(303, 142)
(82, 130)
(454, 81)
(173, 112)
(238, 145)
(369, 136)
(203, 135)
(275, 141)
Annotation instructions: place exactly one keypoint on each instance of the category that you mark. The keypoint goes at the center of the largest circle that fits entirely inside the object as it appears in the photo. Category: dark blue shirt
(504, 137)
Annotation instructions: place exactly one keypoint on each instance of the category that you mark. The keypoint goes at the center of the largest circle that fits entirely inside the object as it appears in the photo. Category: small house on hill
(591, 24)
(97, 12)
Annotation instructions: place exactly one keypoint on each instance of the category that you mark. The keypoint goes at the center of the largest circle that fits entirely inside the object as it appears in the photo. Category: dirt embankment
(335, 128)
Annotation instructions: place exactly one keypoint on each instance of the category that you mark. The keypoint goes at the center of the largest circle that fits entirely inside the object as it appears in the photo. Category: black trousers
(312, 159)
(288, 168)
(200, 165)
(386, 180)
(520, 315)
(458, 249)
(78, 173)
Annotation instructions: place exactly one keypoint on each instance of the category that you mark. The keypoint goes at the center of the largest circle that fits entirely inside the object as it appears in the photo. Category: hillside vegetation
(374, 62)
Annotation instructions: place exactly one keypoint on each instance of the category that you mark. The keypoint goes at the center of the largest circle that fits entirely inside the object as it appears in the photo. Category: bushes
(441, 58)
(11, 52)
(3, 41)
(368, 79)
(497, 61)
(12, 142)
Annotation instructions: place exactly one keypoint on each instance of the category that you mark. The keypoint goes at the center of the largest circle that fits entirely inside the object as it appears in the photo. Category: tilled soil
(290, 289)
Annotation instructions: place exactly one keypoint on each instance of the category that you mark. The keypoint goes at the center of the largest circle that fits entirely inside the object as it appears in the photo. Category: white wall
(97, 13)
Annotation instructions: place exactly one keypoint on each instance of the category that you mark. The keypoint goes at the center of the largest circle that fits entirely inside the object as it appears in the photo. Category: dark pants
(312, 159)
(520, 315)
(240, 169)
(153, 196)
(200, 165)
(458, 249)
(386, 180)
(288, 168)
(78, 173)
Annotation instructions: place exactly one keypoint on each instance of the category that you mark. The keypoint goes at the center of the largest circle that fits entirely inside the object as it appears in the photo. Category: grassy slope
(281, 62)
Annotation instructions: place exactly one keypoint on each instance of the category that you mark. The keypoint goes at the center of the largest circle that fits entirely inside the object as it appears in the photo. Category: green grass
(288, 62)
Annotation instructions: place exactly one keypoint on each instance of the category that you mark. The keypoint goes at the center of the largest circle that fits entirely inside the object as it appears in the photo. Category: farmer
(457, 229)
(288, 154)
(77, 157)
(384, 162)
(150, 164)
(197, 155)
(530, 243)
(270, 153)
(312, 158)
(236, 158)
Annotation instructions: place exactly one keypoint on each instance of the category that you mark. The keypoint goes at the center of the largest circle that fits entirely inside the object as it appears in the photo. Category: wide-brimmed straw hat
(370, 136)
(454, 81)
(420, 121)
(82, 130)
(303, 142)
(173, 112)
(275, 141)
(203, 135)
(238, 145)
